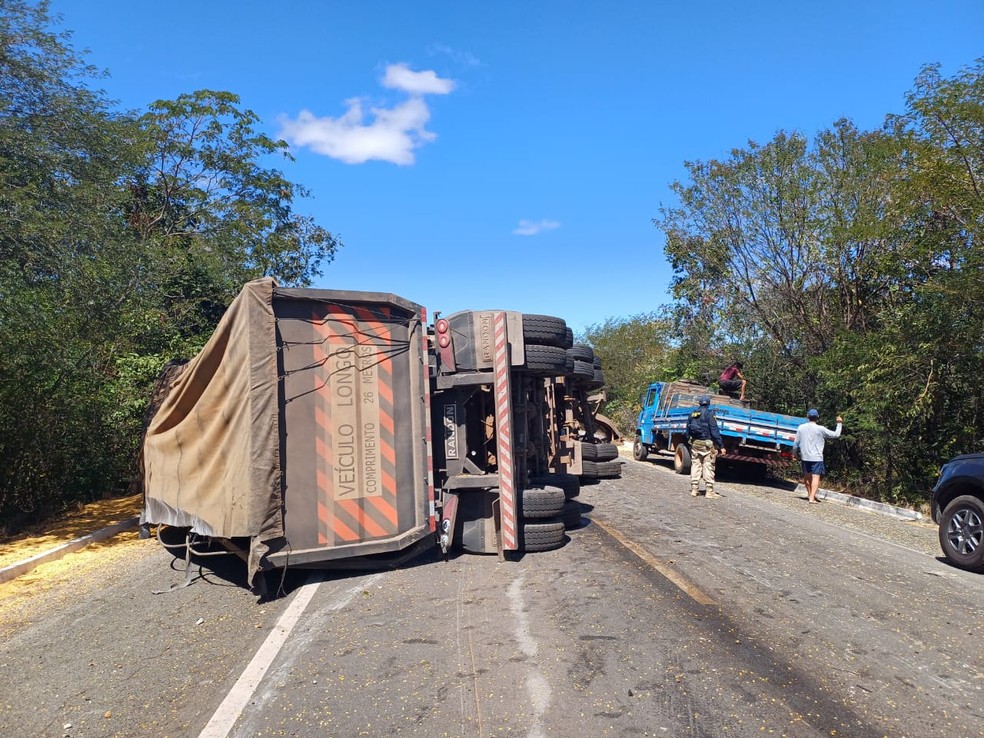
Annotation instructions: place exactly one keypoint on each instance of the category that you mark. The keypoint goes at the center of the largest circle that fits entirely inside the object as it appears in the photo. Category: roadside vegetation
(123, 236)
(847, 272)
(844, 270)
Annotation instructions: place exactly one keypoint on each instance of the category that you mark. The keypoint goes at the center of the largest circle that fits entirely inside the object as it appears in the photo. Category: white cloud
(401, 77)
(533, 227)
(384, 134)
(463, 58)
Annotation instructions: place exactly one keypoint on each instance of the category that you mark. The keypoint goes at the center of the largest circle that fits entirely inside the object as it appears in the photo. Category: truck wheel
(589, 470)
(640, 451)
(583, 370)
(568, 338)
(589, 452)
(572, 515)
(567, 482)
(543, 536)
(543, 502)
(545, 329)
(609, 469)
(597, 379)
(546, 361)
(681, 460)
(582, 353)
(962, 533)
(606, 451)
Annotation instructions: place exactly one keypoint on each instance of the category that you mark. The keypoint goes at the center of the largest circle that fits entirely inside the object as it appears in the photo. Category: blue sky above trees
(513, 154)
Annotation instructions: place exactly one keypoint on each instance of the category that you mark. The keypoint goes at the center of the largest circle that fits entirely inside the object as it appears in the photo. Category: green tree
(209, 216)
(849, 271)
(634, 352)
(122, 239)
(60, 152)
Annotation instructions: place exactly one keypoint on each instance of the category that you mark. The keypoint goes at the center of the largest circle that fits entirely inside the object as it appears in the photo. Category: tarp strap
(189, 577)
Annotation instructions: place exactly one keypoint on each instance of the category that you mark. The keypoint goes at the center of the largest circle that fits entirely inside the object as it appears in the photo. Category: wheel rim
(965, 532)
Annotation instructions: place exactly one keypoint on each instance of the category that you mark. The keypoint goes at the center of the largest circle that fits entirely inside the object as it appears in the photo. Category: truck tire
(597, 379)
(589, 470)
(596, 361)
(569, 367)
(582, 353)
(545, 361)
(545, 330)
(962, 533)
(589, 451)
(567, 482)
(543, 502)
(572, 515)
(543, 535)
(640, 451)
(583, 370)
(681, 459)
(568, 338)
(606, 451)
(609, 469)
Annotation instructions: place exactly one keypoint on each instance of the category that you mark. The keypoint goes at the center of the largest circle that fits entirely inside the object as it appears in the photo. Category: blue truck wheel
(681, 460)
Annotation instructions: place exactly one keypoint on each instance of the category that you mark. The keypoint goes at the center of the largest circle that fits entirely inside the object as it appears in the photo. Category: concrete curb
(15, 570)
(860, 502)
(827, 494)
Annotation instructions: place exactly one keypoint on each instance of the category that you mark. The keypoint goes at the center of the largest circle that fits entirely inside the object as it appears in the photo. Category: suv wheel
(962, 533)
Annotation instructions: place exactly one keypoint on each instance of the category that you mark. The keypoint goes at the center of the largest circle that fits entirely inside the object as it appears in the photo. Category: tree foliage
(122, 239)
(634, 351)
(848, 270)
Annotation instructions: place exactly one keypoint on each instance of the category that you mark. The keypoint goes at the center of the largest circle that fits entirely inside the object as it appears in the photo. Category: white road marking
(537, 686)
(241, 694)
(301, 639)
(232, 706)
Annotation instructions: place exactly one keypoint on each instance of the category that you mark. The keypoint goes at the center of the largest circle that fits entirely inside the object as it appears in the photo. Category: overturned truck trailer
(301, 435)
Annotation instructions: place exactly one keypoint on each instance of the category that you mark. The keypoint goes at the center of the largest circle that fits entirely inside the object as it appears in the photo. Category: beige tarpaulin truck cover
(211, 452)
(302, 425)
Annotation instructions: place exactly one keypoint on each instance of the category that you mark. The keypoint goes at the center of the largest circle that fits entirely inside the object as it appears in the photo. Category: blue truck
(752, 438)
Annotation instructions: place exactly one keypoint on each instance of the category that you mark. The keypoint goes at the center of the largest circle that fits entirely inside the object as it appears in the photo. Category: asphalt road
(663, 615)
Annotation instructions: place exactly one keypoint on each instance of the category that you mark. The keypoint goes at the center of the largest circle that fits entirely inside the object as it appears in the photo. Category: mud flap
(448, 515)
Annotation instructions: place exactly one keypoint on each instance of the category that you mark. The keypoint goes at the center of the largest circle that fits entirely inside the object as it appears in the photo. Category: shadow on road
(741, 473)
(210, 564)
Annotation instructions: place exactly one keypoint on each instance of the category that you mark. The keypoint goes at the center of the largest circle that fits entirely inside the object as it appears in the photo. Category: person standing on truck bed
(732, 380)
(704, 438)
(810, 439)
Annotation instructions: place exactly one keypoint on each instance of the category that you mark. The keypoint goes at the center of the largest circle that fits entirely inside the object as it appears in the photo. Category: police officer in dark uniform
(704, 438)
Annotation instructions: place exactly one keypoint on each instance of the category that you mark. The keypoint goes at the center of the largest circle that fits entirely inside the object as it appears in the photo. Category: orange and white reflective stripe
(503, 427)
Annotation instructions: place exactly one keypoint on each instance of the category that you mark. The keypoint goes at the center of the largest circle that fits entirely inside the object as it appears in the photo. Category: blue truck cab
(751, 437)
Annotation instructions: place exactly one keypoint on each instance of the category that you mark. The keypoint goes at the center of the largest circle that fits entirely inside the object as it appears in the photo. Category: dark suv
(958, 506)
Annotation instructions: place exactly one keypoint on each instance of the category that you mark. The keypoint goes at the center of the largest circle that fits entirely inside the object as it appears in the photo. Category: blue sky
(509, 154)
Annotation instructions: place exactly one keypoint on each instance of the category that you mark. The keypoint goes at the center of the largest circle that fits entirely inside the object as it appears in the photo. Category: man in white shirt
(810, 438)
